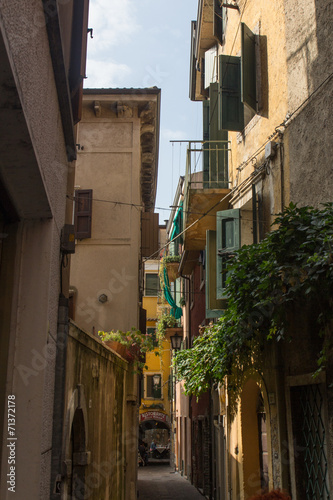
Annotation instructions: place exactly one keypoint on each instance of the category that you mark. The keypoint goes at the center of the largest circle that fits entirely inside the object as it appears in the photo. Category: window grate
(314, 441)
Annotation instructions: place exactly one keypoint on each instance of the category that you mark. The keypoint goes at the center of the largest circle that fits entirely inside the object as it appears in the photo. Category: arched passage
(75, 454)
(158, 431)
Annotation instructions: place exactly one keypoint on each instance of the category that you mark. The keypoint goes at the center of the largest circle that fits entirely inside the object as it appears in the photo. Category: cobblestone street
(160, 482)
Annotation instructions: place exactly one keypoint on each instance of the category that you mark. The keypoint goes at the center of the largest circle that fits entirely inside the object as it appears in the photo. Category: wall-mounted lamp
(176, 341)
(156, 380)
(103, 298)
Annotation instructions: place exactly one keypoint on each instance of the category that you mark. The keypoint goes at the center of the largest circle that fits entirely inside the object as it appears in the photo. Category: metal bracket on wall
(230, 6)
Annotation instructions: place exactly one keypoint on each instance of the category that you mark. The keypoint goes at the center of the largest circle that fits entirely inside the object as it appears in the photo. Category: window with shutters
(214, 307)
(227, 242)
(238, 85)
(151, 285)
(83, 213)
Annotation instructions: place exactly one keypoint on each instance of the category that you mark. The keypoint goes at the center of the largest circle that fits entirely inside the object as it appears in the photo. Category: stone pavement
(160, 482)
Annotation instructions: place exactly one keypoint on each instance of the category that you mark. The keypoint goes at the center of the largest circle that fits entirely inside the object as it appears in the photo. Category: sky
(146, 44)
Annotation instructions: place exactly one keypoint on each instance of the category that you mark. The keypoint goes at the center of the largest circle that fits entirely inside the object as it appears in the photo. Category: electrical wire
(255, 172)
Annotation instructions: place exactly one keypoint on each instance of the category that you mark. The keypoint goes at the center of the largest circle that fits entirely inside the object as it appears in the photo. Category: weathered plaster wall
(104, 381)
(309, 57)
(36, 270)
(109, 164)
(266, 20)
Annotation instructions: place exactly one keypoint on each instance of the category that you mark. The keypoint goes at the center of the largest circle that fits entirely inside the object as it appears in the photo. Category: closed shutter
(82, 213)
(249, 88)
(231, 108)
(149, 234)
(218, 163)
(214, 308)
(227, 242)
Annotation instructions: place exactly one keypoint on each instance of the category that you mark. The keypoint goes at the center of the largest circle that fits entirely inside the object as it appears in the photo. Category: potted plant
(131, 345)
(171, 264)
(164, 322)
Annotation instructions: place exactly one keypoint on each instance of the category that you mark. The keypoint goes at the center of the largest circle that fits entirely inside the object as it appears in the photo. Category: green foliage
(165, 321)
(136, 343)
(293, 264)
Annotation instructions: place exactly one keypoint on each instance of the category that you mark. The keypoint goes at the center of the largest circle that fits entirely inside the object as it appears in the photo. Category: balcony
(206, 189)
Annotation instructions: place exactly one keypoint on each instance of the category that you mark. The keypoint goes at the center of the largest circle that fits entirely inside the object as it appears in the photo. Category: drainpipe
(190, 398)
(59, 398)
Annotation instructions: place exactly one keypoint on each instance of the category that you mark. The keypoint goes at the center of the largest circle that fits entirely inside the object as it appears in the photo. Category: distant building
(115, 227)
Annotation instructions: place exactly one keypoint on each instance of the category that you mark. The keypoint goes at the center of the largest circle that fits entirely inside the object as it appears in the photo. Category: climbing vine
(293, 264)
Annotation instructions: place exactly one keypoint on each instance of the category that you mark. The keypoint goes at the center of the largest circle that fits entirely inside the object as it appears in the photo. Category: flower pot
(172, 270)
(130, 353)
(117, 347)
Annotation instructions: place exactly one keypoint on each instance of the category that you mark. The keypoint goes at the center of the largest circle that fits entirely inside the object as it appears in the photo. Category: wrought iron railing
(206, 167)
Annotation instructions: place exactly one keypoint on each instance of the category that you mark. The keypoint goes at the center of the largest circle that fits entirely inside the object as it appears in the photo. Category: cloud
(169, 135)
(106, 74)
(114, 23)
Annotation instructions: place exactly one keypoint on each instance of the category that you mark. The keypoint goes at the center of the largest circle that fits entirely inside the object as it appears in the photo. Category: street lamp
(176, 341)
(156, 380)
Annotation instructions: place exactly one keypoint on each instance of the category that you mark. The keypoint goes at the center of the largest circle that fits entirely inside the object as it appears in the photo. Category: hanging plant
(293, 264)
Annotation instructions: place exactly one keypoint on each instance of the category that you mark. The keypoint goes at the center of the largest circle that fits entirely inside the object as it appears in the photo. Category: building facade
(115, 188)
(42, 53)
(261, 73)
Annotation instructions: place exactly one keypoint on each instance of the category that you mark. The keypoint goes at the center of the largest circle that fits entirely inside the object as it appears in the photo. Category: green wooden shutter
(227, 241)
(231, 107)
(205, 113)
(214, 308)
(218, 158)
(249, 87)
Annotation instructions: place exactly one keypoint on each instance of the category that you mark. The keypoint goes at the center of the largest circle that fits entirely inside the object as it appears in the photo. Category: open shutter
(214, 308)
(218, 162)
(227, 242)
(231, 107)
(249, 91)
(82, 213)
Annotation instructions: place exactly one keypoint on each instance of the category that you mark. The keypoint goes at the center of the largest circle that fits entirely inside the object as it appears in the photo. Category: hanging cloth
(177, 222)
(176, 311)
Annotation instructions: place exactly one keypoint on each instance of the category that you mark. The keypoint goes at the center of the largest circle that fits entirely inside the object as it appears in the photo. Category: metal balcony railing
(206, 166)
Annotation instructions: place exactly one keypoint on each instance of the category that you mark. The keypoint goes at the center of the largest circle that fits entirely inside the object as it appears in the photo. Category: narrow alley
(160, 482)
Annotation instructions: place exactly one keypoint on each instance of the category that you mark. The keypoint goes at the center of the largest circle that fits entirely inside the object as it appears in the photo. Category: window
(82, 213)
(215, 154)
(219, 21)
(227, 241)
(154, 390)
(152, 332)
(214, 307)
(237, 85)
(151, 285)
